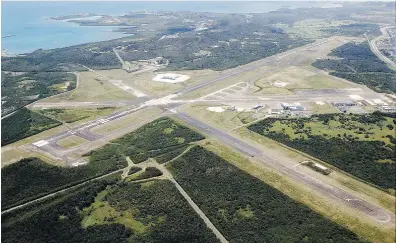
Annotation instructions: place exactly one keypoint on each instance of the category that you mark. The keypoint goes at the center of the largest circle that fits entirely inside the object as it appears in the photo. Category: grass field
(92, 88)
(144, 81)
(352, 127)
(341, 215)
(11, 154)
(361, 145)
(246, 209)
(227, 119)
(291, 157)
(312, 28)
(154, 211)
(322, 109)
(71, 141)
(297, 78)
(133, 118)
(24, 123)
(74, 116)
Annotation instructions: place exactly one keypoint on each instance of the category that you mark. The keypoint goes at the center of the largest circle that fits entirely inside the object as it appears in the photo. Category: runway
(170, 103)
(377, 213)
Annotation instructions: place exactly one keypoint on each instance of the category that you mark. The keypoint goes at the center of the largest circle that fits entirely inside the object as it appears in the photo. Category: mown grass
(341, 215)
(244, 208)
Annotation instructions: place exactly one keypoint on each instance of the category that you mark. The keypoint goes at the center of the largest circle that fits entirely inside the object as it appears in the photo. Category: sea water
(29, 27)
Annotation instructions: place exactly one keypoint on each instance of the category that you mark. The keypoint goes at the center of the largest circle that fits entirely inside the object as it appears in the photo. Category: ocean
(29, 28)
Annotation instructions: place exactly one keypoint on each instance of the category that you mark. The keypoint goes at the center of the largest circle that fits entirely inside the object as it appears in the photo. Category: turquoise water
(29, 22)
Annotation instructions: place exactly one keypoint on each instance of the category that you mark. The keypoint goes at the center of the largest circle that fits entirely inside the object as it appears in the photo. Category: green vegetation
(134, 170)
(245, 209)
(58, 219)
(73, 115)
(149, 172)
(362, 145)
(154, 211)
(355, 29)
(320, 28)
(227, 44)
(163, 158)
(31, 178)
(154, 139)
(24, 123)
(108, 211)
(61, 59)
(20, 89)
(357, 63)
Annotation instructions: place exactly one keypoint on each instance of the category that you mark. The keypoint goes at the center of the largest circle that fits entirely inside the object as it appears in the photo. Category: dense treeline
(149, 172)
(164, 213)
(367, 160)
(24, 123)
(245, 209)
(20, 89)
(359, 64)
(163, 158)
(61, 59)
(156, 138)
(159, 204)
(134, 170)
(356, 29)
(31, 177)
(59, 220)
(263, 41)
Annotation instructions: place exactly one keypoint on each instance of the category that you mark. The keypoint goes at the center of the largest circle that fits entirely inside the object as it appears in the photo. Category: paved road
(146, 100)
(298, 96)
(255, 65)
(337, 193)
(119, 57)
(377, 213)
(374, 48)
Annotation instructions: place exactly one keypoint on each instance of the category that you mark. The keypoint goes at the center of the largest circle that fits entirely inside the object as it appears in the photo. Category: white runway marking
(40, 143)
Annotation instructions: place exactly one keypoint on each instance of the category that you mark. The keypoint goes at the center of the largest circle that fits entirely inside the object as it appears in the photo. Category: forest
(362, 145)
(24, 123)
(359, 64)
(61, 59)
(20, 89)
(108, 211)
(31, 177)
(58, 219)
(246, 209)
(149, 172)
(230, 43)
(159, 137)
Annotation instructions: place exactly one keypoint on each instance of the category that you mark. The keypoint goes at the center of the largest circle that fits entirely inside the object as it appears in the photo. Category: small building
(343, 103)
(276, 111)
(296, 106)
(387, 108)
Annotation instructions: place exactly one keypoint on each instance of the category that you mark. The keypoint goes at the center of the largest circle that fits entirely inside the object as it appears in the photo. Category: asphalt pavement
(375, 212)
